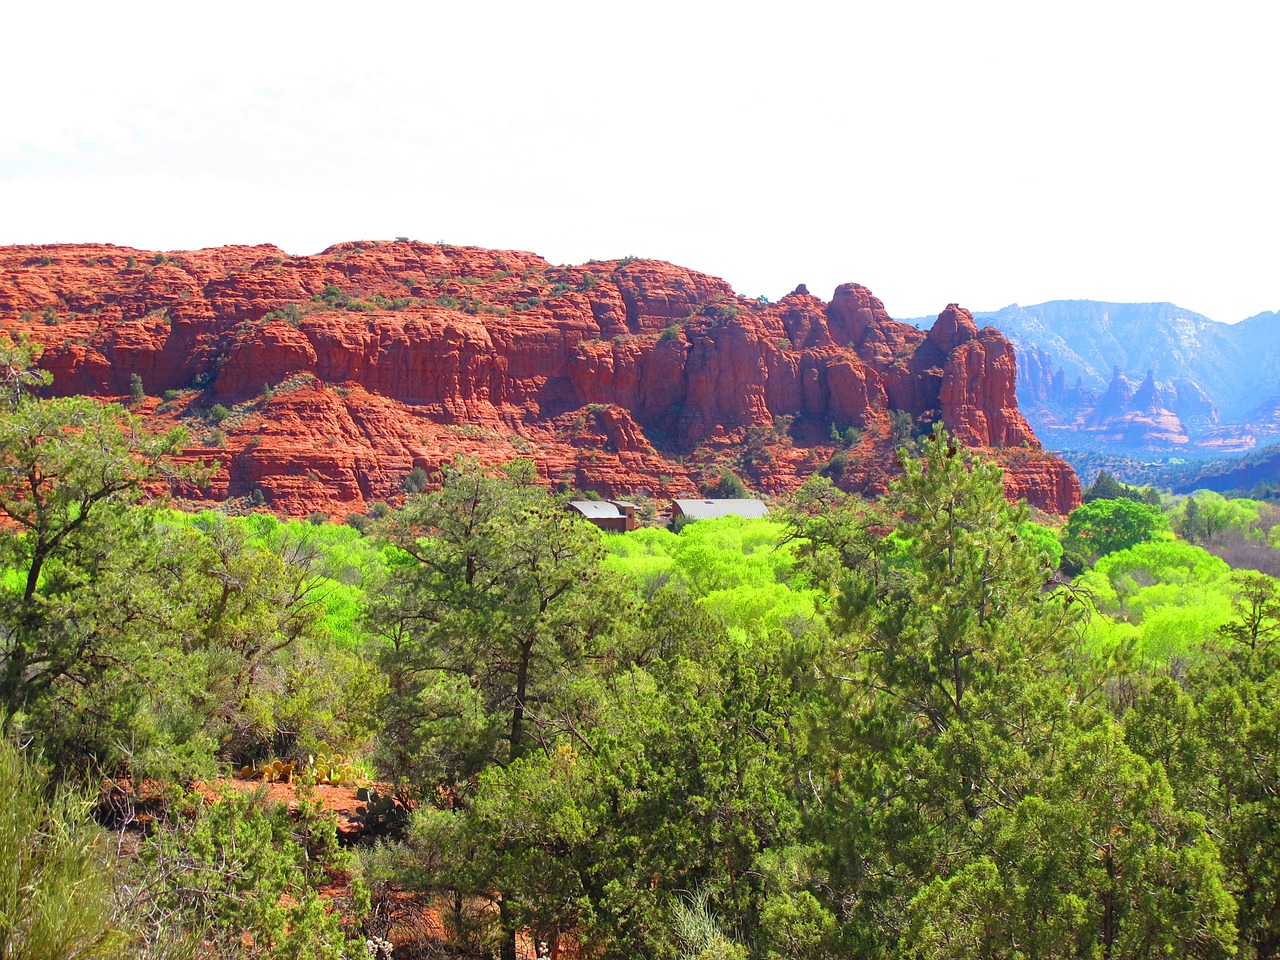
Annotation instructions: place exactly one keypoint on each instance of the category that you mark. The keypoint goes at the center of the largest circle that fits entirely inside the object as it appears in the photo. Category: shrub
(721, 313)
(243, 867)
(837, 466)
(290, 313)
(55, 884)
(137, 393)
(728, 486)
(416, 481)
(900, 425)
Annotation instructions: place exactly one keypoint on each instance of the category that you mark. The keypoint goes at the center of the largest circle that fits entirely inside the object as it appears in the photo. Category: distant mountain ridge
(1143, 376)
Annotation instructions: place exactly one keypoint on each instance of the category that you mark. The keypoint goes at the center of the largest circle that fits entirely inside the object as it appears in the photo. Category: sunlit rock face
(324, 380)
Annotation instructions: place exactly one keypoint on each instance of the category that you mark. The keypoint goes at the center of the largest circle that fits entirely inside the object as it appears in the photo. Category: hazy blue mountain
(1206, 385)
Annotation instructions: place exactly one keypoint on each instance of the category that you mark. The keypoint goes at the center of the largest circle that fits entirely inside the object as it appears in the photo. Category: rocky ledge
(324, 381)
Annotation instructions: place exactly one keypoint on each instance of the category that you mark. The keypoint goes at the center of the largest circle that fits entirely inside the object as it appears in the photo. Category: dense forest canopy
(872, 729)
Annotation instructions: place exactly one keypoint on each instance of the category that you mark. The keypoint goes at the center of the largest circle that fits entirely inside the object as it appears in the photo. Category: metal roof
(597, 509)
(708, 509)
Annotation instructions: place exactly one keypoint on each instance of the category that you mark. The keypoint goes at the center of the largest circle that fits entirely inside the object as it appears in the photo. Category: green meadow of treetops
(923, 727)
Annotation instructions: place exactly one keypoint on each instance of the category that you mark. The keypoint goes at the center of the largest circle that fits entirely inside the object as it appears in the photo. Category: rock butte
(625, 377)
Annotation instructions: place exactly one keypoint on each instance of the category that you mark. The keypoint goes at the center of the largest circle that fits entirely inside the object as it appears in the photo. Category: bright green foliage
(55, 879)
(1104, 526)
(743, 571)
(1176, 595)
(1205, 515)
(1045, 540)
(1163, 561)
(247, 875)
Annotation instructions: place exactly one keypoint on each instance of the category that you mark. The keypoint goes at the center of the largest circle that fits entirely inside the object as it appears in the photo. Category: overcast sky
(984, 153)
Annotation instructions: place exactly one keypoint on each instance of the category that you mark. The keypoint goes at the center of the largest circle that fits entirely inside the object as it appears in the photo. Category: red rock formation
(623, 376)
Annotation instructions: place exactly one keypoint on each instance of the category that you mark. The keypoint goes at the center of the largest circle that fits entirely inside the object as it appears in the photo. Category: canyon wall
(322, 381)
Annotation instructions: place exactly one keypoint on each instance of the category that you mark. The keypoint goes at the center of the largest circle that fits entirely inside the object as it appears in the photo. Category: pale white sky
(984, 152)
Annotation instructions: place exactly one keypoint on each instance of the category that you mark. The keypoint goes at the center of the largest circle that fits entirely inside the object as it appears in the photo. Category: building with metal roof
(709, 509)
(617, 516)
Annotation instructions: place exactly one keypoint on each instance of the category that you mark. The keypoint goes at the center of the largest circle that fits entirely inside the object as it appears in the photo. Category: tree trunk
(517, 713)
(508, 951)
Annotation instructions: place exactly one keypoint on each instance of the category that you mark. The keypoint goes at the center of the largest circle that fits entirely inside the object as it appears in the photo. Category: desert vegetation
(857, 729)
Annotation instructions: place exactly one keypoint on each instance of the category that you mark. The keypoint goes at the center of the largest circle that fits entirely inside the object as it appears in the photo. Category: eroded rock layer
(322, 381)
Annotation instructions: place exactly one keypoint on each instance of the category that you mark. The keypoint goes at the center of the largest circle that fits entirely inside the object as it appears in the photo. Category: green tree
(941, 676)
(494, 603)
(728, 486)
(1104, 526)
(1238, 789)
(496, 587)
(1253, 632)
(238, 636)
(1191, 525)
(67, 467)
(1106, 487)
(901, 425)
(948, 616)
(1099, 862)
(137, 393)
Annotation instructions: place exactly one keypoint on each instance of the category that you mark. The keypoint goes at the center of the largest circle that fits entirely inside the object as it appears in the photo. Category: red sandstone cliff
(619, 376)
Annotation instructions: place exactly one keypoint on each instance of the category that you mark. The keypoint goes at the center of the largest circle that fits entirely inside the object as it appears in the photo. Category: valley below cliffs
(322, 383)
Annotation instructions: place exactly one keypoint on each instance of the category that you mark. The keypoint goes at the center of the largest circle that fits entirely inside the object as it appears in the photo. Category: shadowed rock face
(622, 376)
